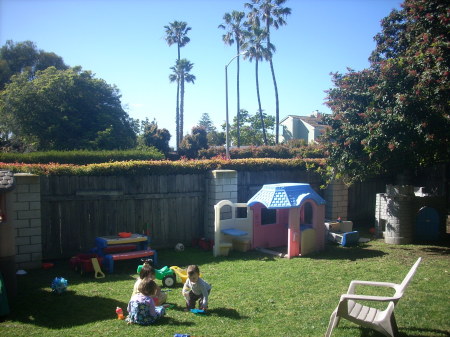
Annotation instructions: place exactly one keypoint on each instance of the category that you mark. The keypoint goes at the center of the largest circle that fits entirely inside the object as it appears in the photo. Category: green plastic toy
(165, 274)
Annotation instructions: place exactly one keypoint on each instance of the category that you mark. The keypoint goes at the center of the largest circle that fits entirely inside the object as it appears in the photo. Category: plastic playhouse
(288, 214)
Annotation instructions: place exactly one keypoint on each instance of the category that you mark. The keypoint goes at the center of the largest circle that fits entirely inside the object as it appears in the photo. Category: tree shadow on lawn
(47, 309)
(335, 252)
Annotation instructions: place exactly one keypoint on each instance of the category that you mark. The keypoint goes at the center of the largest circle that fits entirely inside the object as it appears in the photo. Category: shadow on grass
(332, 252)
(226, 312)
(68, 309)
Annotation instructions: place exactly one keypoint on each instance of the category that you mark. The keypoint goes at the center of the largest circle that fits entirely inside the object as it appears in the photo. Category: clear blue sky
(122, 42)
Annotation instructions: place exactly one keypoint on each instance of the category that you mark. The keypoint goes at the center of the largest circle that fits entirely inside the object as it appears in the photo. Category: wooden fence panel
(361, 201)
(75, 210)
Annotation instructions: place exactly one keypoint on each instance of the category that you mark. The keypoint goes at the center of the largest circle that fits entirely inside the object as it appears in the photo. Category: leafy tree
(216, 138)
(154, 136)
(206, 123)
(236, 32)
(64, 110)
(16, 58)
(176, 33)
(255, 50)
(252, 130)
(191, 144)
(181, 75)
(273, 14)
(394, 116)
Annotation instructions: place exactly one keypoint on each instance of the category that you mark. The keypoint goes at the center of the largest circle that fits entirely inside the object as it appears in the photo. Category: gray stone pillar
(399, 224)
(25, 215)
(221, 185)
(336, 196)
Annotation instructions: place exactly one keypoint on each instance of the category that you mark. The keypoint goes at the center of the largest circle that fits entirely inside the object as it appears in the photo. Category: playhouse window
(268, 216)
(241, 212)
(308, 213)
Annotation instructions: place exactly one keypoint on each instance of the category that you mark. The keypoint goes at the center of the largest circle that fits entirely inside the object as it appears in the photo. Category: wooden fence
(361, 201)
(171, 208)
(75, 210)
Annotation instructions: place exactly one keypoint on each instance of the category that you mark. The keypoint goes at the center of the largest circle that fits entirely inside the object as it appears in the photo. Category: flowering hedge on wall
(141, 167)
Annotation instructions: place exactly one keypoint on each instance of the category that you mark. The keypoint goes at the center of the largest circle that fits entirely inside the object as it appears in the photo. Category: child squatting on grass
(148, 271)
(195, 289)
(142, 309)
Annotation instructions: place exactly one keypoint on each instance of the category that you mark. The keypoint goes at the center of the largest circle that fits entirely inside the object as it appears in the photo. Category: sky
(123, 43)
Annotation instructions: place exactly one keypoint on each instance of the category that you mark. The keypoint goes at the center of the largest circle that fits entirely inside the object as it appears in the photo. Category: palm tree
(255, 50)
(180, 74)
(176, 33)
(235, 33)
(272, 13)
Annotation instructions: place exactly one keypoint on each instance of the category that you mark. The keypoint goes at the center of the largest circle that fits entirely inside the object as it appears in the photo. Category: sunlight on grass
(253, 295)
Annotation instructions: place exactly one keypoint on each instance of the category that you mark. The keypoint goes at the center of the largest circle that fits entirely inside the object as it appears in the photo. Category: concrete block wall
(336, 196)
(24, 213)
(221, 185)
(381, 214)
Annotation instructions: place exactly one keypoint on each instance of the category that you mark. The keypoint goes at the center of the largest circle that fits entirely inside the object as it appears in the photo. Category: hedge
(164, 166)
(80, 157)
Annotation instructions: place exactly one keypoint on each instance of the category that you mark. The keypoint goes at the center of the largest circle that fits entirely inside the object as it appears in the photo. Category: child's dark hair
(147, 287)
(193, 269)
(146, 270)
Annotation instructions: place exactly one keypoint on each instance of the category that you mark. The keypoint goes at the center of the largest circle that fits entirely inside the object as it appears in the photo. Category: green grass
(253, 295)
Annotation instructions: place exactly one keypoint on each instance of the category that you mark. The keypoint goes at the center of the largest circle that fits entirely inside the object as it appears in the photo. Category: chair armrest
(346, 297)
(354, 283)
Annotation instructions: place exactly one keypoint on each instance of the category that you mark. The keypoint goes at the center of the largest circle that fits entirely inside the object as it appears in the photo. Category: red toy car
(82, 262)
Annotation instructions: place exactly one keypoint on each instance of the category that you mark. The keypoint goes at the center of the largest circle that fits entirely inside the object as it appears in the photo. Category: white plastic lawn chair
(380, 320)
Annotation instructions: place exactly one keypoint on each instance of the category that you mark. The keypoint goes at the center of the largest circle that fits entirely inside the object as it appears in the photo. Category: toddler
(195, 289)
(142, 309)
(148, 271)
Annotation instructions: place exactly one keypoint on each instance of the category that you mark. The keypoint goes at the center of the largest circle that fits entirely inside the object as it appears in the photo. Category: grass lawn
(253, 295)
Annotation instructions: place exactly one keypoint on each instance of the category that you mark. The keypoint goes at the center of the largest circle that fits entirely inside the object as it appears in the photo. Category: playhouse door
(269, 234)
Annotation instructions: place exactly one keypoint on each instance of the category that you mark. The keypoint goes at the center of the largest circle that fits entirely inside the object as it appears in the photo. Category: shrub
(81, 157)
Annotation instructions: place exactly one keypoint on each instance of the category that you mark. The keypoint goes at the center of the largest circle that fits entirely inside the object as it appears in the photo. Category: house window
(268, 216)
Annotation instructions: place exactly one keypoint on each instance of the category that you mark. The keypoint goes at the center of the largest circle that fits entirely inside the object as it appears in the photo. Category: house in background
(308, 128)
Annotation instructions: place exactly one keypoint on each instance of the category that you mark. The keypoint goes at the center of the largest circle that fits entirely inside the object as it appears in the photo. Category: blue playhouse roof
(285, 195)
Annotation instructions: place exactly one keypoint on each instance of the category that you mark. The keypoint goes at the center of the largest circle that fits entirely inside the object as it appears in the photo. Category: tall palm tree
(235, 33)
(180, 74)
(272, 13)
(255, 50)
(176, 33)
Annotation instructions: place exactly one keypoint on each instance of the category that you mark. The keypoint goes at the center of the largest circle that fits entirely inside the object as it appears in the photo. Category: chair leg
(394, 326)
(334, 320)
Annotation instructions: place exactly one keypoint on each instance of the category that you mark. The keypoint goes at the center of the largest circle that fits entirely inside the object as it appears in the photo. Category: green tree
(16, 58)
(191, 144)
(154, 136)
(252, 129)
(236, 32)
(272, 14)
(394, 117)
(206, 123)
(176, 33)
(214, 137)
(64, 110)
(255, 50)
(181, 74)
